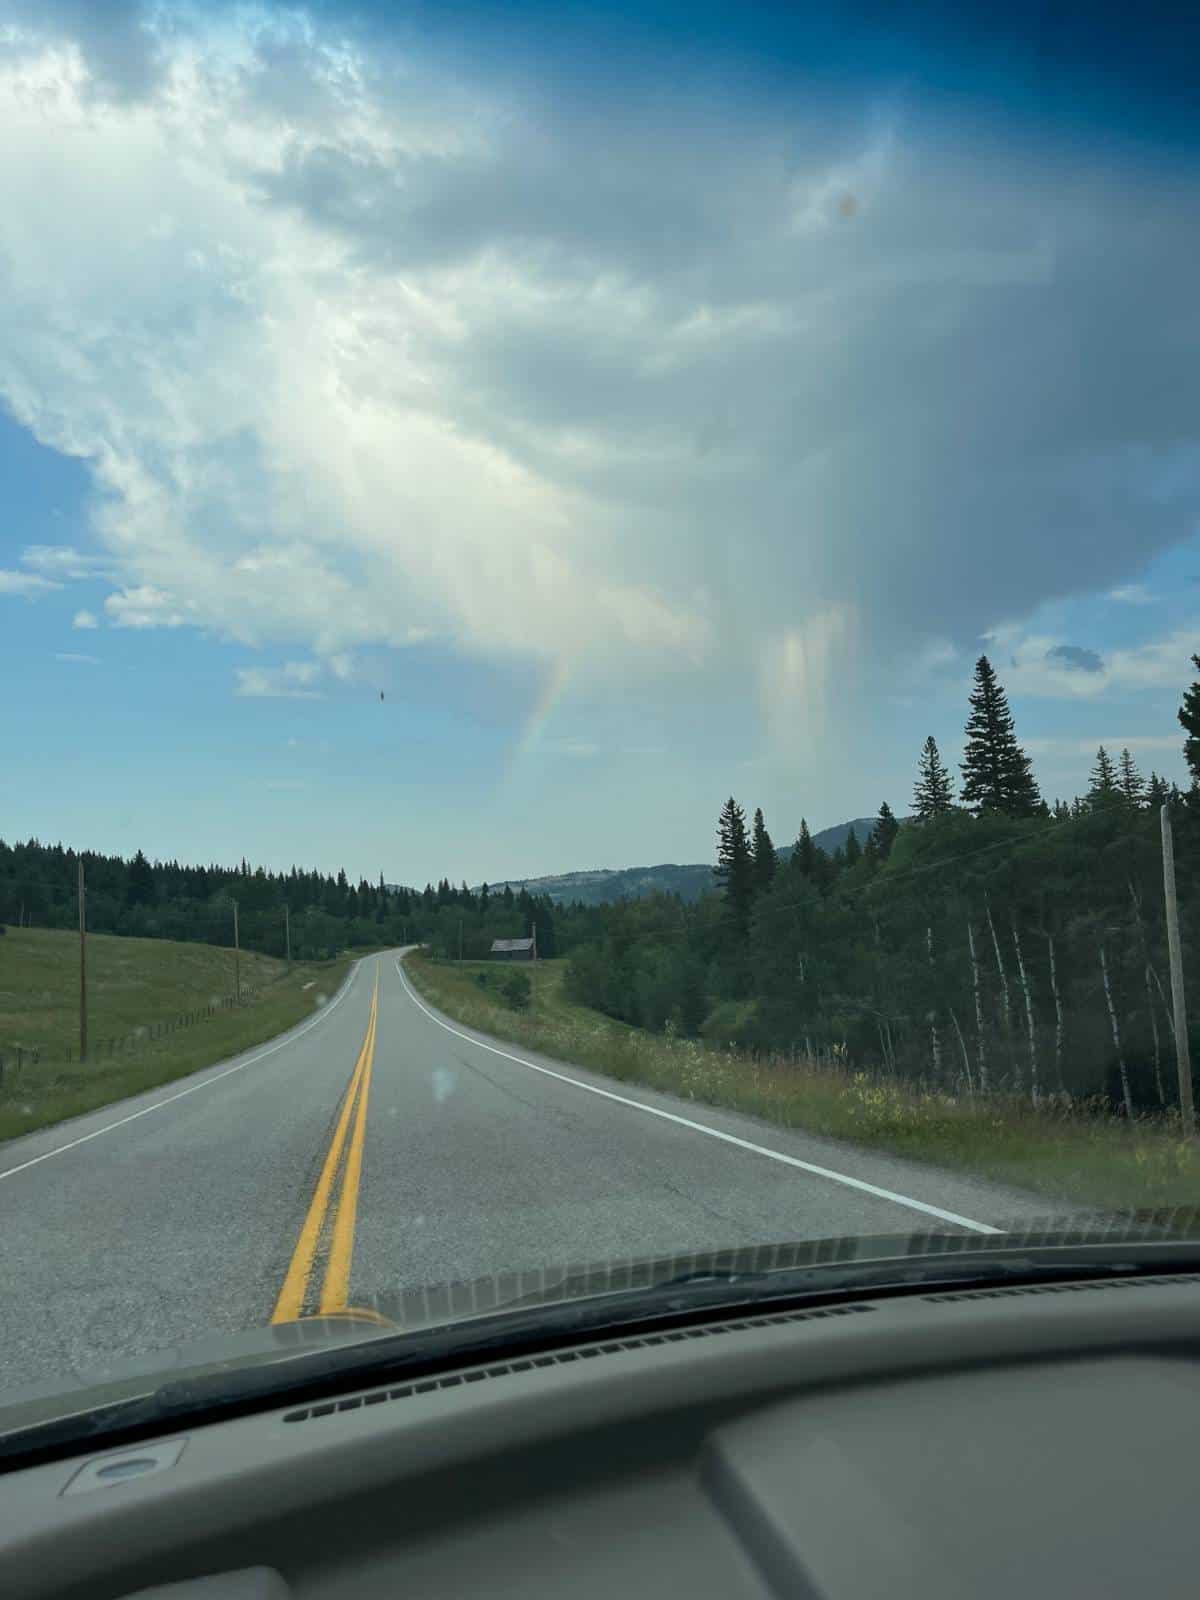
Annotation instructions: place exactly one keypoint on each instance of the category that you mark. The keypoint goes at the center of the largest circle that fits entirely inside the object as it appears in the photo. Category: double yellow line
(336, 1287)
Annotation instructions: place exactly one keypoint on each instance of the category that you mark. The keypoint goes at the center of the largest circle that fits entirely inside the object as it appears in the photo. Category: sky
(474, 441)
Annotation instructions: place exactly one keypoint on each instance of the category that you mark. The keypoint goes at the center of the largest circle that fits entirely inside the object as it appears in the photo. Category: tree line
(327, 912)
(989, 940)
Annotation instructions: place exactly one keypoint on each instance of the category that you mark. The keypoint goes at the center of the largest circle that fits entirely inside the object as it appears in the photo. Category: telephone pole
(1183, 1061)
(237, 961)
(460, 940)
(533, 984)
(287, 935)
(82, 968)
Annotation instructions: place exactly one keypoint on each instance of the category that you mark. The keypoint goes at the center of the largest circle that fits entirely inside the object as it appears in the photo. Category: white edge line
(702, 1127)
(11, 1172)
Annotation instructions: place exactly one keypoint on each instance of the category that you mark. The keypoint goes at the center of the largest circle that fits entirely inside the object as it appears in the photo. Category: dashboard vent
(562, 1358)
(1088, 1286)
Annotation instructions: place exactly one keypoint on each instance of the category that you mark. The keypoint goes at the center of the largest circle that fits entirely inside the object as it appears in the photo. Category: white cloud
(85, 619)
(361, 351)
(1135, 743)
(78, 657)
(64, 561)
(1132, 594)
(146, 606)
(293, 681)
(24, 583)
(1035, 664)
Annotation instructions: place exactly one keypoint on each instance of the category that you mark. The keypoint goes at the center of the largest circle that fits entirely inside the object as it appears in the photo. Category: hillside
(132, 983)
(157, 1009)
(689, 881)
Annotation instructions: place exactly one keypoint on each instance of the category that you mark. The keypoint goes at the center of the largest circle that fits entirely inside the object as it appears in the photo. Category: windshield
(602, 650)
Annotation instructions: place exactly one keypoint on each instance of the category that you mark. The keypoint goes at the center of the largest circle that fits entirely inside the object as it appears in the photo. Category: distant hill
(689, 881)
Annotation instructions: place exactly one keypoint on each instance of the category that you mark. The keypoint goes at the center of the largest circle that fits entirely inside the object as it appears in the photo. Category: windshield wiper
(313, 1375)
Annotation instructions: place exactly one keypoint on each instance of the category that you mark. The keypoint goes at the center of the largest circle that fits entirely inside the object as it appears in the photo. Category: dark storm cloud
(811, 353)
(1075, 657)
(941, 374)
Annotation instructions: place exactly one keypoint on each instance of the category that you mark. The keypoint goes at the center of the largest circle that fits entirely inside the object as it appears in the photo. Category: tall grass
(38, 1007)
(1071, 1152)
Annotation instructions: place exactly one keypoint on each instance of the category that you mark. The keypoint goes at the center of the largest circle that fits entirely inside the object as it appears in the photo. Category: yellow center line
(334, 1296)
(290, 1304)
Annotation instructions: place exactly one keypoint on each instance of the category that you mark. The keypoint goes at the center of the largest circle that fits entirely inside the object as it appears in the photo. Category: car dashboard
(1027, 1439)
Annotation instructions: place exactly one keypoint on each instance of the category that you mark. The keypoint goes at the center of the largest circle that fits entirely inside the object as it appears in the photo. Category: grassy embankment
(1069, 1154)
(133, 984)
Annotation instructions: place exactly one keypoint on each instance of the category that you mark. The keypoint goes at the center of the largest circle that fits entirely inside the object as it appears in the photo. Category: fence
(106, 1049)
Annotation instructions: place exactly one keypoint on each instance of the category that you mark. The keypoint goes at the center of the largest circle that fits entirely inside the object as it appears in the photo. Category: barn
(512, 949)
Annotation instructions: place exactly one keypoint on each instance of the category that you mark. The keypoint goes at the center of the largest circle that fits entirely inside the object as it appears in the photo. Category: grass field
(1073, 1154)
(133, 985)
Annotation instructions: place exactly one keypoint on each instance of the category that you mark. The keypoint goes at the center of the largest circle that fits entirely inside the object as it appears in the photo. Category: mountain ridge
(595, 885)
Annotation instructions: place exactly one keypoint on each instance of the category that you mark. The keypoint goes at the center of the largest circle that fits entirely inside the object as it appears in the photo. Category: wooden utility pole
(1183, 1060)
(460, 940)
(237, 961)
(287, 935)
(82, 968)
(534, 982)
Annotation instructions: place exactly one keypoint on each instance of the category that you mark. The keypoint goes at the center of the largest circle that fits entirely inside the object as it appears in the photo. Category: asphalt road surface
(380, 1146)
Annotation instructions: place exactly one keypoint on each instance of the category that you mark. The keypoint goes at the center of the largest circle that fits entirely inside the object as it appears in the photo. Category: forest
(989, 941)
(326, 913)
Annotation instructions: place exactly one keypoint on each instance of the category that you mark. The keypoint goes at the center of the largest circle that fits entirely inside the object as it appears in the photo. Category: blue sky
(647, 407)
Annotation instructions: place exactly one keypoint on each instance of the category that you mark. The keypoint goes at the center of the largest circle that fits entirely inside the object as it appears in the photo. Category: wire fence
(16, 1058)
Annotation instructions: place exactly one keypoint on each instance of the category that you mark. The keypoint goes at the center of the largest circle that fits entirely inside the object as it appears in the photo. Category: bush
(518, 991)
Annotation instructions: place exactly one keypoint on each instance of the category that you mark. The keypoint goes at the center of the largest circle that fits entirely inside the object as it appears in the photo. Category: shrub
(518, 991)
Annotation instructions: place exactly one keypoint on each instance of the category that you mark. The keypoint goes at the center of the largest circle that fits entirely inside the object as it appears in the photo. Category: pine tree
(141, 881)
(735, 868)
(932, 795)
(1062, 811)
(997, 774)
(885, 830)
(1103, 790)
(853, 849)
(1189, 717)
(1156, 791)
(1131, 782)
(804, 858)
(762, 852)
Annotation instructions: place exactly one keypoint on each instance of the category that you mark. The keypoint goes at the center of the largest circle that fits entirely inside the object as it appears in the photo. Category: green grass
(133, 985)
(1073, 1154)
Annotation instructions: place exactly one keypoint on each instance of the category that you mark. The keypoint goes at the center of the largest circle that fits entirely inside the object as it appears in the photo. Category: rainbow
(540, 713)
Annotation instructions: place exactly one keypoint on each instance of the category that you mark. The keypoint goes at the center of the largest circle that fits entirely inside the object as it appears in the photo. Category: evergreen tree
(1156, 791)
(735, 868)
(1189, 717)
(853, 849)
(483, 899)
(1103, 790)
(883, 834)
(762, 852)
(804, 858)
(997, 774)
(932, 795)
(140, 891)
(1062, 811)
(1131, 782)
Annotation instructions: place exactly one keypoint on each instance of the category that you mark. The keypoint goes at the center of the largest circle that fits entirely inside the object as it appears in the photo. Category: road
(380, 1146)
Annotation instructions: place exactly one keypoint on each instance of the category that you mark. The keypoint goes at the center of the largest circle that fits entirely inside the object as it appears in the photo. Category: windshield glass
(602, 653)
